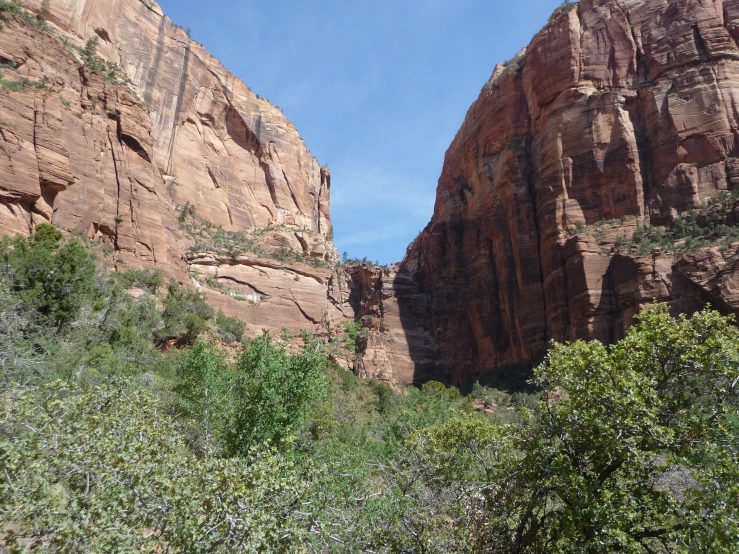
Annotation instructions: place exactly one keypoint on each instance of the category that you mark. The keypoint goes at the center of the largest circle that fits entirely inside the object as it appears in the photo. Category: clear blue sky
(377, 90)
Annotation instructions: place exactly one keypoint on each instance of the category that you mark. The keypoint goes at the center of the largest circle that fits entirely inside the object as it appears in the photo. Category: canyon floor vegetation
(145, 422)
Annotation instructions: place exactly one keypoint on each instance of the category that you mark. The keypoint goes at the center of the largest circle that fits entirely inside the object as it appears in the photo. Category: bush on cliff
(9, 6)
(51, 278)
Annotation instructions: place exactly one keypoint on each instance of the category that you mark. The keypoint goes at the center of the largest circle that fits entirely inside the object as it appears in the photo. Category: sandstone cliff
(114, 149)
(620, 114)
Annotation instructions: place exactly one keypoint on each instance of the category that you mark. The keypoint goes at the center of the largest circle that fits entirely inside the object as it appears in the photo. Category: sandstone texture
(163, 159)
(618, 115)
(395, 343)
(114, 154)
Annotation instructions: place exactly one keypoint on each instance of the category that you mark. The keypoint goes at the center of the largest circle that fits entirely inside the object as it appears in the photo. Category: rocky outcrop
(112, 151)
(619, 111)
(395, 343)
(165, 160)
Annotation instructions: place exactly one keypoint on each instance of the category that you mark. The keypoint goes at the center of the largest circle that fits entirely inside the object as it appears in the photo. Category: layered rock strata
(165, 160)
(114, 154)
(622, 111)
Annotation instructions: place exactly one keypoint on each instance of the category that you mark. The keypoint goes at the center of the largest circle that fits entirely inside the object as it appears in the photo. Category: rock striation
(395, 343)
(114, 150)
(619, 117)
(157, 155)
(620, 114)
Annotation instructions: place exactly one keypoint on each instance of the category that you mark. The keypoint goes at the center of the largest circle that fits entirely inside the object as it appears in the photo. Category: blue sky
(377, 90)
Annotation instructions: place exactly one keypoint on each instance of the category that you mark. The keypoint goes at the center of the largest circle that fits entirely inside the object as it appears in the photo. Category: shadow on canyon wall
(415, 316)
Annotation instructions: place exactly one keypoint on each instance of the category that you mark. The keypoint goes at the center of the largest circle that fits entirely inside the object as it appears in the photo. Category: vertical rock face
(619, 110)
(395, 343)
(186, 130)
(114, 154)
(219, 146)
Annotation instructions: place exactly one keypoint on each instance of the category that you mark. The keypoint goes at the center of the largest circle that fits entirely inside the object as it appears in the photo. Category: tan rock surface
(267, 294)
(228, 152)
(616, 110)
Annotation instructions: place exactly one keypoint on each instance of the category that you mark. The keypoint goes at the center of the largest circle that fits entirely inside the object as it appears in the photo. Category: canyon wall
(113, 150)
(158, 157)
(618, 115)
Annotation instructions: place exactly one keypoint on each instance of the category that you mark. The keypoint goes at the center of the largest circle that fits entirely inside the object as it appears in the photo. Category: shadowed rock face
(395, 344)
(616, 110)
(623, 111)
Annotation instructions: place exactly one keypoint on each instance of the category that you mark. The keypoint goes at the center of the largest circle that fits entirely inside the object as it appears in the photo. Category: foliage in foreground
(102, 470)
(108, 444)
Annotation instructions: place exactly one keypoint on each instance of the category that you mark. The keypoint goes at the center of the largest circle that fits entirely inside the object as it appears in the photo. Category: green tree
(9, 6)
(52, 278)
(17, 362)
(230, 329)
(103, 469)
(275, 392)
(185, 314)
(45, 11)
(204, 394)
(633, 448)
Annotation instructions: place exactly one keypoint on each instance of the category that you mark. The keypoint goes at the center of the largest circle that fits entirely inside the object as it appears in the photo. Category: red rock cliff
(618, 115)
(114, 152)
(187, 131)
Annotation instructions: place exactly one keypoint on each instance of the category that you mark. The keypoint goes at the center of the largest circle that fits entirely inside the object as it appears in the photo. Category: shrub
(145, 279)
(104, 470)
(203, 395)
(50, 277)
(351, 335)
(275, 392)
(9, 7)
(185, 314)
(632, 444)
(230, 329)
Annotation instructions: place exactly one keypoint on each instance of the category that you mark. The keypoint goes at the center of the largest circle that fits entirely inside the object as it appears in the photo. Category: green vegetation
(145, 279)
(715, 222)
(207, 237)
(45, 10)
(353, 332)
(185, 315)
(693, 230)
(89, 55)
(50, 278)
(110, 444)
(346, 260)
(39, 21)
(562, 10)
(9, 7)
(21, 84)
(229, 329)
(99, 65)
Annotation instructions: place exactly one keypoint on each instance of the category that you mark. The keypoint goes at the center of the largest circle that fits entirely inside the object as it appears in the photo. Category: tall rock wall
(619, 114)
(113, 154)
(217, 144)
